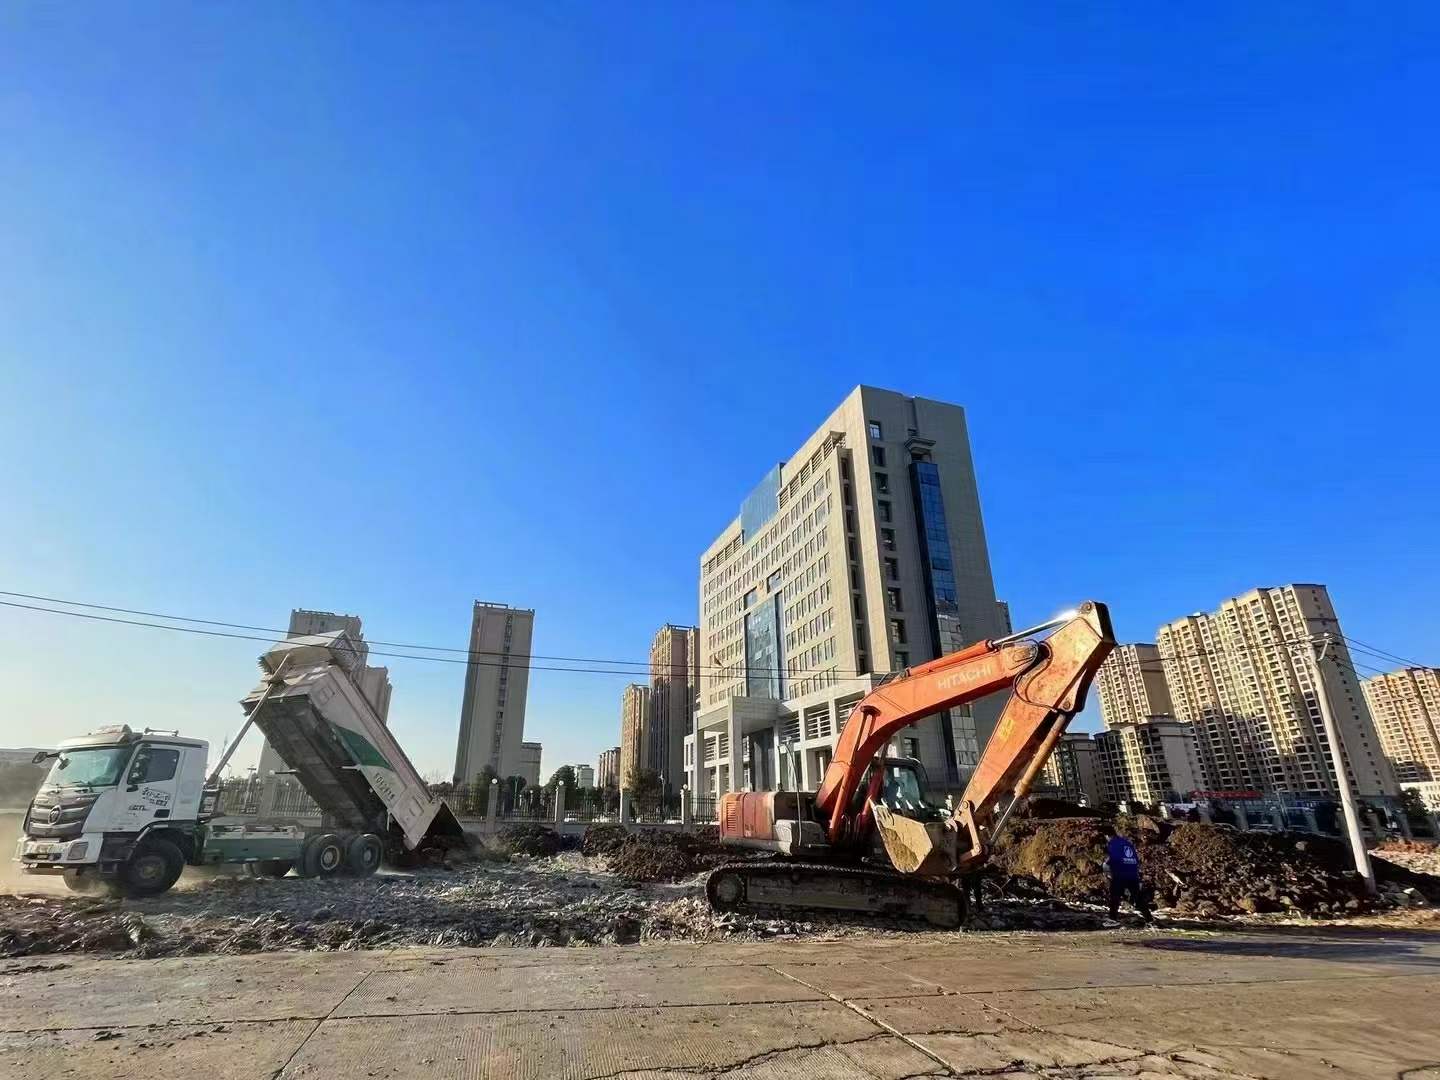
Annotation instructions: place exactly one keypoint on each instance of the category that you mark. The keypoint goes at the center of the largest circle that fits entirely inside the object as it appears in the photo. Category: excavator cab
(902, 789)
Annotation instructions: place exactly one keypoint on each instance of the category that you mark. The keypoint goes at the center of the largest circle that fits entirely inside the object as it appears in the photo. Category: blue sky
(384, 308)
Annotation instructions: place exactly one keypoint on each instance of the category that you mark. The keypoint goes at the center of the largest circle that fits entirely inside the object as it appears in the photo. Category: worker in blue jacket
(1124, 863)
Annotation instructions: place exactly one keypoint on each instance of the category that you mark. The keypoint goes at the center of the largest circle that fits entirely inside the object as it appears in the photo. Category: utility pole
(1342, 780)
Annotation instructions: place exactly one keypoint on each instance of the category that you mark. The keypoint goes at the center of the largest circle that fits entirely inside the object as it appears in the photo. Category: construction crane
(867, 840)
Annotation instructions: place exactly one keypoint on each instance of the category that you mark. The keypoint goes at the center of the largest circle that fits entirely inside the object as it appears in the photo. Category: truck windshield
(100, 767)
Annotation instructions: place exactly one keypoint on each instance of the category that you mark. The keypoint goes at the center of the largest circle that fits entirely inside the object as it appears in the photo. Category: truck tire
(152, 868)
(269, 868)
(321, 856)
(362, 856)
(87, 881)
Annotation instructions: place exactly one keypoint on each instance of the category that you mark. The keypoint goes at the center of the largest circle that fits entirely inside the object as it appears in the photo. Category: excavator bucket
(926, 848)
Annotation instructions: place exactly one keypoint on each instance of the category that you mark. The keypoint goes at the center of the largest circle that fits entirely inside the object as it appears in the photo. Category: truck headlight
(77, 850)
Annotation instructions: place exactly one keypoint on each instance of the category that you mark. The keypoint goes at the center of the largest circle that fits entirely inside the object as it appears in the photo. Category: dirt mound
(652, 855)
(603, 839)
(528, 840)
(1199, 869)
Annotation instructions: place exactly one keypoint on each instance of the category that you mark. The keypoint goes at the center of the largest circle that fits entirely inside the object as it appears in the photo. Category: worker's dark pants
(1122, 886)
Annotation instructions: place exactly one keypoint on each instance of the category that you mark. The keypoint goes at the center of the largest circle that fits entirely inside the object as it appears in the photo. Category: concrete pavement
(1205, 1006)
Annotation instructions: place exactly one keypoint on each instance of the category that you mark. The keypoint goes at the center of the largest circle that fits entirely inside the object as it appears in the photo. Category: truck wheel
(362, 857)
(321, 856)
(89, 882)
(269, 868)
(153, 867)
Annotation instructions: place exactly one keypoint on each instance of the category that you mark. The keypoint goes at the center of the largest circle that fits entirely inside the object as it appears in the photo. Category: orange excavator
(867, 840)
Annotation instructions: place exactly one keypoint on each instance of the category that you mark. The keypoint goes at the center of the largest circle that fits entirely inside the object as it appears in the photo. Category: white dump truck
(130, 810)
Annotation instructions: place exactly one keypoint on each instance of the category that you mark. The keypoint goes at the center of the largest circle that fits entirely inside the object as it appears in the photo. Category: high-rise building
(861, 555)
(1406, 708)
(584, 775)
(1245, 677)
(1148, 761)
(529, 763)
(1071, 773)
(1131, 685)
(673, 677)
(492, 714)
(634, 726)
(607, 769)
(373, 682)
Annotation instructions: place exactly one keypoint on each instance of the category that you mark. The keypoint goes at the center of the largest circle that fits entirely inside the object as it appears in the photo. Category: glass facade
(761, 505)
(764, 666)
(962, 750)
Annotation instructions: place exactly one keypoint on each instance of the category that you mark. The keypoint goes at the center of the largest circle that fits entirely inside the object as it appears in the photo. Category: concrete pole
(687, 812)
(1342, 779)
(492, 807)
(1242, 819)
(625, 818)
(560, 803)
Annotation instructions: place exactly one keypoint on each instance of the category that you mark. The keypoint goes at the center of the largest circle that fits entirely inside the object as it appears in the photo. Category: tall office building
(1131, 685)
(607, 769)
(1243, 675)
(492, 714)
(861, 555)
(673, 675)
(373, 682)
(1406, 707)
(584, 775)
(634, 729)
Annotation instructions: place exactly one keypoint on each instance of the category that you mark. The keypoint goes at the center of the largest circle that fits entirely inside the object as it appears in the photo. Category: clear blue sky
(384, 308)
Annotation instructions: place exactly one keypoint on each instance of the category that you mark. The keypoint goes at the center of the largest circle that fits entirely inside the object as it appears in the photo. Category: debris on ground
(1205, 870)
(1414, 855)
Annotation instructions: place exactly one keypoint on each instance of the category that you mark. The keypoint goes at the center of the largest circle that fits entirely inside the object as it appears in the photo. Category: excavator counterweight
(867, 831)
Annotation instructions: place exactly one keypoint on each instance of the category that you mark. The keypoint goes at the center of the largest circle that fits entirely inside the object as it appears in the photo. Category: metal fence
(703, 808)
(274, 798)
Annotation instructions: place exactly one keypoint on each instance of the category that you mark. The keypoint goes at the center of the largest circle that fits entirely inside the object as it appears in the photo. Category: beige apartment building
(634, 726)
(1131, 685)
(1244, 676)
(674, 655)
(1148, 761)
(862, 554)
(607, 768)
(497, 677)
(1405, 705)
(1072, 771)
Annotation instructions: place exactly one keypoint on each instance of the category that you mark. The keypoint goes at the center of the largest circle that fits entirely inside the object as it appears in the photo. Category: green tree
(563, 775)
(1415, 810)
(644, 784)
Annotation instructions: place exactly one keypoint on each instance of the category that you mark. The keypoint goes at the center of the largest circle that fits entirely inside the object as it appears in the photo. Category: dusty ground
(1097, 1006)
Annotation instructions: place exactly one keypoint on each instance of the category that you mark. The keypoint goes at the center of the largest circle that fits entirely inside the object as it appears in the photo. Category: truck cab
(117, 803)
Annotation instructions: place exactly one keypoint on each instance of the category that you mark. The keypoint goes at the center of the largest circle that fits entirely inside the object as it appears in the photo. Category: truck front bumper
(57, 856)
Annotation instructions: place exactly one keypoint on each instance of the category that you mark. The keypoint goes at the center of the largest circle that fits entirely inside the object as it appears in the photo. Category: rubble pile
(1414, 855)
(1203, 870)
(567, 900)
(604, 839)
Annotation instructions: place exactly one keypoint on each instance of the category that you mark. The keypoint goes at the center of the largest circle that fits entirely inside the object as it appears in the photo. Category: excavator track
(791, 888)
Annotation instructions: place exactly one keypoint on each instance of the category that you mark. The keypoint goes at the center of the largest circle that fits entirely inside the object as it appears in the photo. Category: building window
(882, 483)
(875, 432)
(878, 453)
(885, 513)
(893, 596)
(892, 568)
(902, 660)
(897, 631)
(887, 540)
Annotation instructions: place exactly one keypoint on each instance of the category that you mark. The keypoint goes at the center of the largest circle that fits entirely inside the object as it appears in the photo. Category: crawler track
(792, 889)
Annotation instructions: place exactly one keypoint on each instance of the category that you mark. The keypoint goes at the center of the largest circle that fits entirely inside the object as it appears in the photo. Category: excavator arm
(1049, 680)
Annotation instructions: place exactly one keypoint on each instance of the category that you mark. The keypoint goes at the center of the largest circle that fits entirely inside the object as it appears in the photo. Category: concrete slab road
(1203, 1006)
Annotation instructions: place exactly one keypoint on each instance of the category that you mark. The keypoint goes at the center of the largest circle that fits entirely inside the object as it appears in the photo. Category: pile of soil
(653, 855)
(529, 839)
(1199, 869)
(603, 839)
